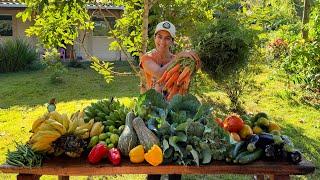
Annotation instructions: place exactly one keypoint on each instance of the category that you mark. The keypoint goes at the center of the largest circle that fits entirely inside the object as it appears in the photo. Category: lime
(114, 138)
(103, 136)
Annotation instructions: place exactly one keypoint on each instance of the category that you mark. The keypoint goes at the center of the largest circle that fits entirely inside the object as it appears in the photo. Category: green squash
(128, 138)
(146, 137)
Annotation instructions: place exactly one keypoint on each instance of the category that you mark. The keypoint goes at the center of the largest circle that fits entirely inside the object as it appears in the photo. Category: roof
(11, 4)
(17, 4)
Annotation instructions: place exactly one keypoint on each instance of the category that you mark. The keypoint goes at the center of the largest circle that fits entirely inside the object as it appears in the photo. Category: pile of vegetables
(184, 128)
(177, 77)
(180, 131)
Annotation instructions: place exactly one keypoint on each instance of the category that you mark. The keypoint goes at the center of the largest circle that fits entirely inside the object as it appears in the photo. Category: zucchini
(251, 157)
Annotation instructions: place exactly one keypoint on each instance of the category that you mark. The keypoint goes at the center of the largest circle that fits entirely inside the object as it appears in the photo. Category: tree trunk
(145, 22)
(305, 19)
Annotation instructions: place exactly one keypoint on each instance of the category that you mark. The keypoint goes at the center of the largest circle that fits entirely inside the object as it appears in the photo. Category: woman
(154, 63)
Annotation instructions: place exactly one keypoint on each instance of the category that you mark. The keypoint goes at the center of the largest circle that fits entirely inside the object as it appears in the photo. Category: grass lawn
(23, 96)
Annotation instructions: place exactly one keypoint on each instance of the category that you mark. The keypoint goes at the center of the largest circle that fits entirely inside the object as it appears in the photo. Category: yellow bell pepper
(137, 154)
(154, 156)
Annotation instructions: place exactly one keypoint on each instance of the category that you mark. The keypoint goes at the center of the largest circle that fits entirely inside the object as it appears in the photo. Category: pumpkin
(233, 123)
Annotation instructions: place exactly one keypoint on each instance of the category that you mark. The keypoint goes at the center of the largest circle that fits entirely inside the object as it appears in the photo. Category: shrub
(16, 54)
(52, 60)
(223, 46)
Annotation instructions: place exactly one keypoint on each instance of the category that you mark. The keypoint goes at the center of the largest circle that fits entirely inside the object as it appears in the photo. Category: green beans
(23, 156)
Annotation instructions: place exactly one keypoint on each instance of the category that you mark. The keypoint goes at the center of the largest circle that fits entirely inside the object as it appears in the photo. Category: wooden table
(79, 167)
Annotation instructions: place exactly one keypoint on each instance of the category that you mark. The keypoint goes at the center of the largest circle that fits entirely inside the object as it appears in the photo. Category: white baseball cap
(166, 26)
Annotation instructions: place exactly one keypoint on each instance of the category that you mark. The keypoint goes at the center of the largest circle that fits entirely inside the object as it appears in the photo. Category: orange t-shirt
(150, 80)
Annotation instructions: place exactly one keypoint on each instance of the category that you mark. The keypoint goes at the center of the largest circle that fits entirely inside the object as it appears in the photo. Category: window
(100, 27)
(5, 25)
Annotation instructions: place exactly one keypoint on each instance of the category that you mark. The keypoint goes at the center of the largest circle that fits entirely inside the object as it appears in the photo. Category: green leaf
(206, 154)
(195, 156)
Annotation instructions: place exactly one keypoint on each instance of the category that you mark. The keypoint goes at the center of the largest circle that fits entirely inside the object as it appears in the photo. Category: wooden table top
(79, 166)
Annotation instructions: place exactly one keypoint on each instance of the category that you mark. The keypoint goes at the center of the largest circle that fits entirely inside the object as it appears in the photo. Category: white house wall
(96, 46)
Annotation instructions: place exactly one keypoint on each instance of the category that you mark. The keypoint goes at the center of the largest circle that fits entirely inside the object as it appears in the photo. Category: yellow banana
(86, 125)
(43, 127)
(85, 135)
(74, 115)
(95, 130)
(56, 116)
(72, 127)
(80, 132)
(37, 123)
(56, 125)
(101, 129)
(47, 136)
(41, 147)
(65, 120)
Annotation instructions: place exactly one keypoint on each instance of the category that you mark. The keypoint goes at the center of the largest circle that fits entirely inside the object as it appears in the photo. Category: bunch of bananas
(51, 126)
(110, 112)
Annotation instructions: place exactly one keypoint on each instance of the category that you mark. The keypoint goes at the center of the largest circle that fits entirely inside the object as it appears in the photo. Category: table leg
(28, 177)
(258, 177)
(279, 177)
(63, 178)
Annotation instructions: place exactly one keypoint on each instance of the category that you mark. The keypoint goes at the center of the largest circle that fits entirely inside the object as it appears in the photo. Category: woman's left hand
(189, 54)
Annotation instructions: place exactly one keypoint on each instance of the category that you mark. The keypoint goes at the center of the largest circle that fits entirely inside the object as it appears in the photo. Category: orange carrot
(163, 77)
(184, 73)
(186, 83)
(173, 92)
(172, 80)
(174, 69)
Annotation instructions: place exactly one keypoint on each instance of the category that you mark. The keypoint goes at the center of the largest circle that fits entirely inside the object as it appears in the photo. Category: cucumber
(243, 153)
(236, 149)
(251, 157)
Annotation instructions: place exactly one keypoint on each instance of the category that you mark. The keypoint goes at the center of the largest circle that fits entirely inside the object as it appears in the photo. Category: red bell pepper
(114, 156)
(97, 153)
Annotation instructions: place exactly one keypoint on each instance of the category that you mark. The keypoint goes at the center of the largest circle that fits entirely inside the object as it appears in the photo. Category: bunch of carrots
(176, 79)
